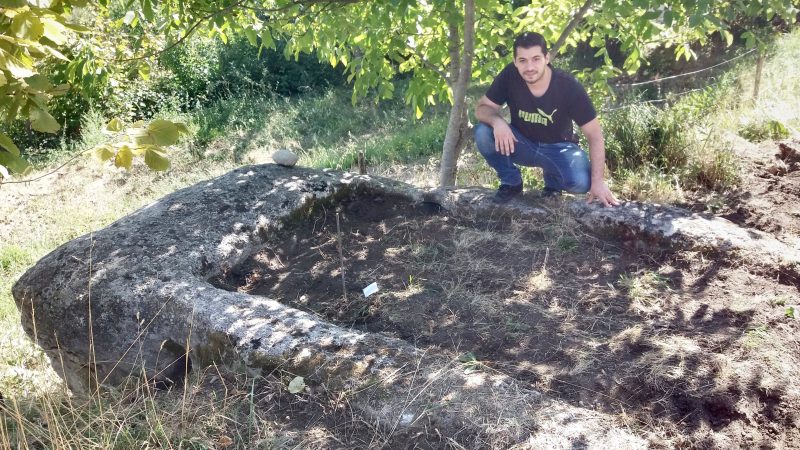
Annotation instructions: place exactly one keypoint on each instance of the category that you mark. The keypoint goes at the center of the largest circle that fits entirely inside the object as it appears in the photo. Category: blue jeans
(566, 166)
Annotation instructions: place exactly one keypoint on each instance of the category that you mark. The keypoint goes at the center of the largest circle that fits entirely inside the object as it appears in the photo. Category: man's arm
(488, 112)
(597, 153)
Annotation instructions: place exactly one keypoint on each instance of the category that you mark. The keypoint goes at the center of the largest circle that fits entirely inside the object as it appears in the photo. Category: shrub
(717, 169)
(645, 136)
(757, 131)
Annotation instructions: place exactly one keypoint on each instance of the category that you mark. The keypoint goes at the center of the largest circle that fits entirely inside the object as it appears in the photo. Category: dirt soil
(688, 350)
(769, 196)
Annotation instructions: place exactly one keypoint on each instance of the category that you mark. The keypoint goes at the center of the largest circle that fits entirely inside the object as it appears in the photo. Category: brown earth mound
(769, 198)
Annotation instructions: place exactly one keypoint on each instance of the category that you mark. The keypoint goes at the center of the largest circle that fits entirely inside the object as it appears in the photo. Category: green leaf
(155, 159)
(789, 313)
(163, 132)
(54, 31)
(251, 36)
(39, 82)
(266, 39)
(182, 128)
(114, 125)
(728, 37)
(27, 26)
(13, 162)
(41, 120)
(124, 157)
(102, 153)
(297, 385)
(8, 144)
(144, 71)
(147, 9)
(77, 28)
(13, 3)
(17, 67)
(141, 136)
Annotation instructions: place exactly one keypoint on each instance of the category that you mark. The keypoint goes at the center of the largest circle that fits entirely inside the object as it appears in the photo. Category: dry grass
(214, 409)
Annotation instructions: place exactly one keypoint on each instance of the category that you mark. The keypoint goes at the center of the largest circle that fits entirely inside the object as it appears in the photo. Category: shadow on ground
(687, 349)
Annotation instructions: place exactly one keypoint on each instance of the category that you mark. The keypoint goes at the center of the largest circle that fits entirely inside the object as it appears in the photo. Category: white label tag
(371, 289)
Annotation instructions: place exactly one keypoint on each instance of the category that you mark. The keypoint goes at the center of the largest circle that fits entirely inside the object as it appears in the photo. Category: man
(543, 103)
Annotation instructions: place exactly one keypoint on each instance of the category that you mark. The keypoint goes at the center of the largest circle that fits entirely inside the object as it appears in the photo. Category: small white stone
(406, 419)
(286, 158)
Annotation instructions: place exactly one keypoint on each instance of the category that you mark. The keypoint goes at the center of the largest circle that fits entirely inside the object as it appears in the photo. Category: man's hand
(488, 112)
(503, 138)
(602, 193)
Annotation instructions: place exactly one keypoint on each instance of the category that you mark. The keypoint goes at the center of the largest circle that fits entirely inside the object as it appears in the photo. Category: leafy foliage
(89, 45)
(148, 142)
(762, 130)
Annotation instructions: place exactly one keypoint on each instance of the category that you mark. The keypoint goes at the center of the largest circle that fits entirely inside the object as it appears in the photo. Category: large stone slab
(135, 298)
(648, 225)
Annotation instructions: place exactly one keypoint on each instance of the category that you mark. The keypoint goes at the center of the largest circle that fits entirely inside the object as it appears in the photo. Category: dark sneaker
(550, 193)
(506, 192)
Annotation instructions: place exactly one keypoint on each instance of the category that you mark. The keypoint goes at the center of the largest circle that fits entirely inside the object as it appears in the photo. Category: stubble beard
(538, 78)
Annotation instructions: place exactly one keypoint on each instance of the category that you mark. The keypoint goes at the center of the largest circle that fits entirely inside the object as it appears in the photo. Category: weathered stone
(136, 296)
(650, 224)
(678, 228)
(286, 158)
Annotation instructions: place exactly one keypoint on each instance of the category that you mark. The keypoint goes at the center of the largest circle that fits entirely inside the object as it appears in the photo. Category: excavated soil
(687, 350)
(769, 196)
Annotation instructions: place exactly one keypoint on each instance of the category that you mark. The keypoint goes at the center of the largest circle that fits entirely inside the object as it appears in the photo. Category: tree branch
(576, 19)
(327, 4)
(429, 65)
(184, 37)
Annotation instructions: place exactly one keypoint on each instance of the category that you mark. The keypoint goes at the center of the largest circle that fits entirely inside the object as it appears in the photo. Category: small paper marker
(371, 289)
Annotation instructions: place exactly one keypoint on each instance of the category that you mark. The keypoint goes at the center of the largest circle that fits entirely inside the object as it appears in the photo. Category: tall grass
(657, 153)
(326, 130)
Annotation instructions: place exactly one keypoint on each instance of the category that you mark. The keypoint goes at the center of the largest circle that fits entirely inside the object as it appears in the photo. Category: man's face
(531, 63)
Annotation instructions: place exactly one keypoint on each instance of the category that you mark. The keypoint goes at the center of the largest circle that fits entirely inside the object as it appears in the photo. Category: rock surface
(650, 224)
(136, 296)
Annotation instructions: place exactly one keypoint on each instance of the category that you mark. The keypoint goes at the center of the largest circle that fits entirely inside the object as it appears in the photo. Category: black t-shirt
(548, 118)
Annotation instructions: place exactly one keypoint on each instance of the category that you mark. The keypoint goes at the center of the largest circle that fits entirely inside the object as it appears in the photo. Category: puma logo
(549, 116)
(540, 117)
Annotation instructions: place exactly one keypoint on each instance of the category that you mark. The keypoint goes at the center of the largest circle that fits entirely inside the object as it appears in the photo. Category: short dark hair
(528, 40)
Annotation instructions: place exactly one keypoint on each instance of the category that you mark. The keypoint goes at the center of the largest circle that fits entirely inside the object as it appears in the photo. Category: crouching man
(543, 102)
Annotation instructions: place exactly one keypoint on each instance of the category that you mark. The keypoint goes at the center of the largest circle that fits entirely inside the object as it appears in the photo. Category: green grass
(657, 153)
(326, 130)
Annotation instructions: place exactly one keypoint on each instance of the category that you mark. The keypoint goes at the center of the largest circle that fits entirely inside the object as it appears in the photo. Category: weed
(716, 169)
(514, 326)
(470, 363)
(648, 184)
(778, 301)
(758, 131)
(567, 243)
(755, 336)
(644, 289)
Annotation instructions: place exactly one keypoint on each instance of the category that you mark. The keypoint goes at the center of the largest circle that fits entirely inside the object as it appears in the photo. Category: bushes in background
(194, 74)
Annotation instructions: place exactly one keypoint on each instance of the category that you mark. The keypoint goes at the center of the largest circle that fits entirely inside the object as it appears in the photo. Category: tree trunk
(455, 137)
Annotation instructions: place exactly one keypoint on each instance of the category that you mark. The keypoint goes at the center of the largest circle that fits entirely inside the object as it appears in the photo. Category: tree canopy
(443, 46)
